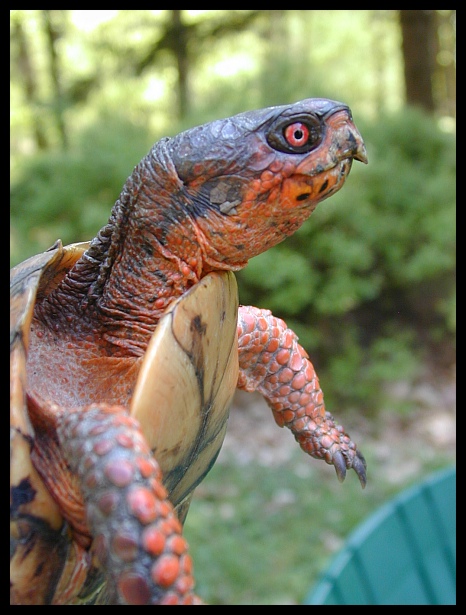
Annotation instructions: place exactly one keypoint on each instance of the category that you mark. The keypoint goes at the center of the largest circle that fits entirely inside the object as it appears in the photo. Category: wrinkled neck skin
(133, 268)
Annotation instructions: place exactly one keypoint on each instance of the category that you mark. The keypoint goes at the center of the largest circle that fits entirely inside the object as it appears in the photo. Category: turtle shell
(181, 399)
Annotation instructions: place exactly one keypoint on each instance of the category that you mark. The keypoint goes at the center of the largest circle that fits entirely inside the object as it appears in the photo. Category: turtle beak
(355, 147)
(360, 153)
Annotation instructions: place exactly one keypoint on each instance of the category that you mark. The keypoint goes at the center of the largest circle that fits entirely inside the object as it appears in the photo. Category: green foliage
(370, 278)
(68, 195)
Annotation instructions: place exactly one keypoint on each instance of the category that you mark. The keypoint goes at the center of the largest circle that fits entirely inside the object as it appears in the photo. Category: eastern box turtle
(125, 353)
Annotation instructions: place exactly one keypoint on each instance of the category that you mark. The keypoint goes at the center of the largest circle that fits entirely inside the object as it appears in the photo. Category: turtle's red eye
(297, 134)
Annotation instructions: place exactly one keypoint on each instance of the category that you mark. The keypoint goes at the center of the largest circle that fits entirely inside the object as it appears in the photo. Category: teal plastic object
(404, 553)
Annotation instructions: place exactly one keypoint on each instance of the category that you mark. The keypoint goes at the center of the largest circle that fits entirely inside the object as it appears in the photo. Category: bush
(69, 195)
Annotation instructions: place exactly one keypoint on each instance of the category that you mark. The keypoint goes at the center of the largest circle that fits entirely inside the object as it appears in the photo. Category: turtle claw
(359, 466)
(358, 463)
(340, 465)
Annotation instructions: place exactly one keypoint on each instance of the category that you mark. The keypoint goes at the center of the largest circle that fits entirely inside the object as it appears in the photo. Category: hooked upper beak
(355, 145)
(360, 153)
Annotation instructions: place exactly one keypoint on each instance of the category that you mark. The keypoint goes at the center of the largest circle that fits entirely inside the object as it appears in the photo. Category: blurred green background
(368, 283)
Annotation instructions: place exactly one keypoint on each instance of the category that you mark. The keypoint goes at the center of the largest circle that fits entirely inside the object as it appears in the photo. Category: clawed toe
(359, 466)
(340, 465)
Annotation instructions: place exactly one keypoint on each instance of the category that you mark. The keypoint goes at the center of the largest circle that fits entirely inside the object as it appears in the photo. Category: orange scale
(175, 525)
(267, 185)
(266, 175)
(177, 544)
(125, 546)
(284, 391)
(326, 442)
(262, 324)
(166, 570)
(164, 508)
(293, 398)
(119, 471)
(142, 504)
(125, 440)
(146, 466)
(134, 588)
(273, 368)
(166, 527)
(108, 501)
(296, 362)
(248, 356)
(298, 382)
(312, 426)
(327, 456)
(279, 419)
(186, 563)
(261, 371)
(288, 339)
(249, 321)
(98, 429)
(264, 338)
(102, 447)
(283, 356)
(300, 412)
(276, 166)
(314, 451)
(184, 585)
(124, 420)
(153, 541)
(288, 415)
(304, 401)
(185, 270)
(246, 339)
(300, 424)
(157, 487)
(286, 375)
(255, 186)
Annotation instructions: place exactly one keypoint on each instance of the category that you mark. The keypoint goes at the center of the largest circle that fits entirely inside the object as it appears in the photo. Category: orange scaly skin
(207, 199)
(274, 364)
(137, 535)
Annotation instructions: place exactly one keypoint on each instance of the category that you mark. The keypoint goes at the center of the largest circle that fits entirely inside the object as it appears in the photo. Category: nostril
(304, 196)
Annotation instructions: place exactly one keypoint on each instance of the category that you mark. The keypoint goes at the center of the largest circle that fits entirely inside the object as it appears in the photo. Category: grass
(261, 535)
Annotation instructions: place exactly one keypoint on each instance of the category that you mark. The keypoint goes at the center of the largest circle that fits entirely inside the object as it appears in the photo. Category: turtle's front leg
(137, 536)
(273, 363)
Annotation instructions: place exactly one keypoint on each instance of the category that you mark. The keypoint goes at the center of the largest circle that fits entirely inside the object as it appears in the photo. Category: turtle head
(252, 179)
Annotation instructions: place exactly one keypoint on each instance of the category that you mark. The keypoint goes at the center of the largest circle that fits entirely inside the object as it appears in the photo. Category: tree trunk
(52, 34)
(180, 49)
(419, 44)
(26, 70)
(445, 82)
